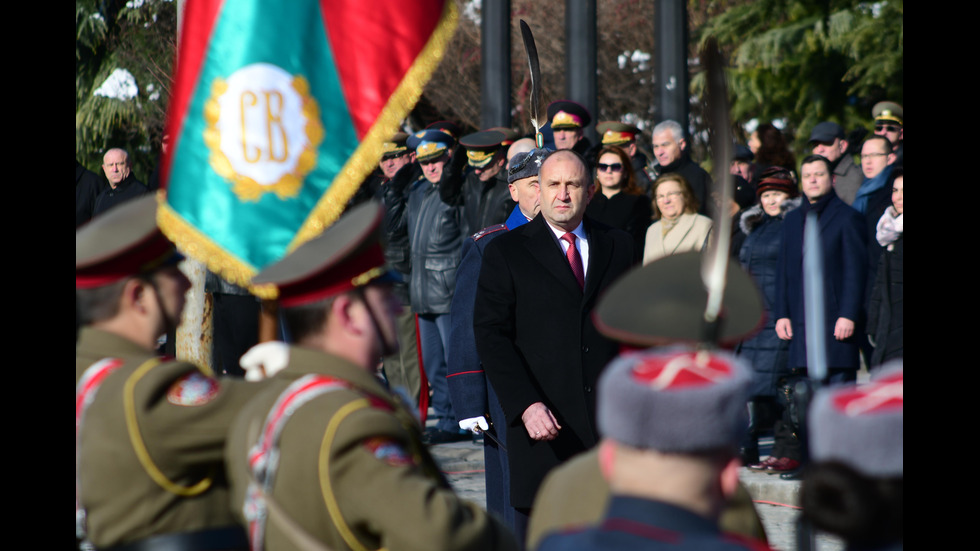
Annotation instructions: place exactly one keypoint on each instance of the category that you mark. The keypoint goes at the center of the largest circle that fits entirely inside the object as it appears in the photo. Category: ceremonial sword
(534, 101)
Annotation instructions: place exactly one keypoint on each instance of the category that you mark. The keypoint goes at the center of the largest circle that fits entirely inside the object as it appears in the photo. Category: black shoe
(796, 474)
(433, 436)
(749, 455)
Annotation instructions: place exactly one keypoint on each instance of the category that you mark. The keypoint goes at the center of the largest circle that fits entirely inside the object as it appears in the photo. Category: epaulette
(488, 230)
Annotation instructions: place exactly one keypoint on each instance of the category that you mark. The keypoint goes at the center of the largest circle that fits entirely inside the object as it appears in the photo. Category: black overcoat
(537, 342)
(843, 241)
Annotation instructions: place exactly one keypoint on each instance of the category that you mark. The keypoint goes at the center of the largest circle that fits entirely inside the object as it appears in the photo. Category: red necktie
(574, 260)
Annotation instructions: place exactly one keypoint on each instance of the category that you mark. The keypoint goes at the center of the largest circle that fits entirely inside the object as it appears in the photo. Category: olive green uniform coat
(133, 414)
(334, 484)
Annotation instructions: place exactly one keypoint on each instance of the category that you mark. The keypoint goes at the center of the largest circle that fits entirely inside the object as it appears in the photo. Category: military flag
(278, 113)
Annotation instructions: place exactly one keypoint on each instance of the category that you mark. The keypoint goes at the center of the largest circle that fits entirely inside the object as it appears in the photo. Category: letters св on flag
(278, 113)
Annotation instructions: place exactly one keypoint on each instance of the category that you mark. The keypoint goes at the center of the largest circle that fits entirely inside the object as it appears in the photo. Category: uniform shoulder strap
(263, 457)
(85, 390)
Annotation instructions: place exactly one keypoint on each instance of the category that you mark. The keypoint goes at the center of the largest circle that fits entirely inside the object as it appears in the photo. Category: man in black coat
(568, 123)
(673, 155)
(843, 241)
(123, 186)
(533, 326)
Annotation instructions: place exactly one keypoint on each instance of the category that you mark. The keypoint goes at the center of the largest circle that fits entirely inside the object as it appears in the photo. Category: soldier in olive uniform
(327, 454)
(149, 432)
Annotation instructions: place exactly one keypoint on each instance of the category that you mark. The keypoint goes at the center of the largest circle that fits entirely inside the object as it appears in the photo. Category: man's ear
(683, 143)
(134, 295)
(843, 146)
(631, 149)
(729, 477)
(341, 312)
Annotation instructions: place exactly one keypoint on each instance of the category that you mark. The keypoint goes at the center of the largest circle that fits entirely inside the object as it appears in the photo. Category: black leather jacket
(484, 203)
(434, 230)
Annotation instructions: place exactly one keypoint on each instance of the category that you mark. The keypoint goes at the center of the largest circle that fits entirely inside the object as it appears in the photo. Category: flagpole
(195, 333)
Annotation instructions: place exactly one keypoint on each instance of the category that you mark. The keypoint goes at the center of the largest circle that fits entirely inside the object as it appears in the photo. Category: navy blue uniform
(471, 395)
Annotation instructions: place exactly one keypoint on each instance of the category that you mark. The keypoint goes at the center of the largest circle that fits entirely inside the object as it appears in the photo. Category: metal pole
(495, 70)
(670, 46)
(195, 332)
(580, 57)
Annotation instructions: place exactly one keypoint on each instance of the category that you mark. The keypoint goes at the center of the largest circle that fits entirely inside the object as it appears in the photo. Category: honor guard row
(149, 432)
(322, 452)
(327, 453)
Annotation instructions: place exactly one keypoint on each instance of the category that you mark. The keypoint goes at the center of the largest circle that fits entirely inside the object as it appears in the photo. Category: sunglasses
(614, 167)
(887, 128)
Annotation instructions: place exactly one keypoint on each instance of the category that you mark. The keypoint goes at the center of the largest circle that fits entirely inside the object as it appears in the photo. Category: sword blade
(716, 261)
(534, 101)
(813, 305)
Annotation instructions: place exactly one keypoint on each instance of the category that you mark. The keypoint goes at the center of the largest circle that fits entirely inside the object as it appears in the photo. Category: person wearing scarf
(876, 163)
(885, 313)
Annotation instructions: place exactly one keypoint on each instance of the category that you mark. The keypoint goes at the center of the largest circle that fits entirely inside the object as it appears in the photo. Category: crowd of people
(491, 255)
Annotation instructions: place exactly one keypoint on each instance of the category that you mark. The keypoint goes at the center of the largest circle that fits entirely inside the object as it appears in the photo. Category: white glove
(476, 425)
(264, 360)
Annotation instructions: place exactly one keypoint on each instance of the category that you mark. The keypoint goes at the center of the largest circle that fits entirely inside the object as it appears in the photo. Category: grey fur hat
(526, 164)
(862, 425)
(674, 400)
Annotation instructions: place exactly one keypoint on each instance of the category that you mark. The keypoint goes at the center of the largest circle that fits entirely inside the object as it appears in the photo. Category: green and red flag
(279, 111)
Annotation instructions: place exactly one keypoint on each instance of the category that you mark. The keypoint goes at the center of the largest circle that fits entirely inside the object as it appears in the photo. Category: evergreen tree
(807, 61)
(124, 52)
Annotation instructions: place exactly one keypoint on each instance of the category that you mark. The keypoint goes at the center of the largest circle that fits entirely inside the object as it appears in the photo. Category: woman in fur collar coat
(886, 323)
(765, 352)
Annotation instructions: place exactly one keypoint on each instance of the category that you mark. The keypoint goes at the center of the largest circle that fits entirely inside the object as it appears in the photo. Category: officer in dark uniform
(395, 154)
(625, 135)
(890, 123)
(484, 193)
(568, 123)
(402, 367)
(149, 432)
(327, 454)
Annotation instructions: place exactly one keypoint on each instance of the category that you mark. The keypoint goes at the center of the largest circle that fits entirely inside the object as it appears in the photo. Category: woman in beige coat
(680, 228)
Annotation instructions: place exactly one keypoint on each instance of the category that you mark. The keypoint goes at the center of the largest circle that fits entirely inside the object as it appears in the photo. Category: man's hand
(539, 422)
(784, 329)
(843, 329)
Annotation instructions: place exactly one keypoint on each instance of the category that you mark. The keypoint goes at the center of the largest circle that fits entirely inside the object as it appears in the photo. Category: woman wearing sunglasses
(680, 228)
(619, 202)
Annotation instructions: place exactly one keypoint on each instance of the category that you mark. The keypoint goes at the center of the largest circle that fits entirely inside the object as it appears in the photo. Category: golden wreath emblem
(263, 130)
